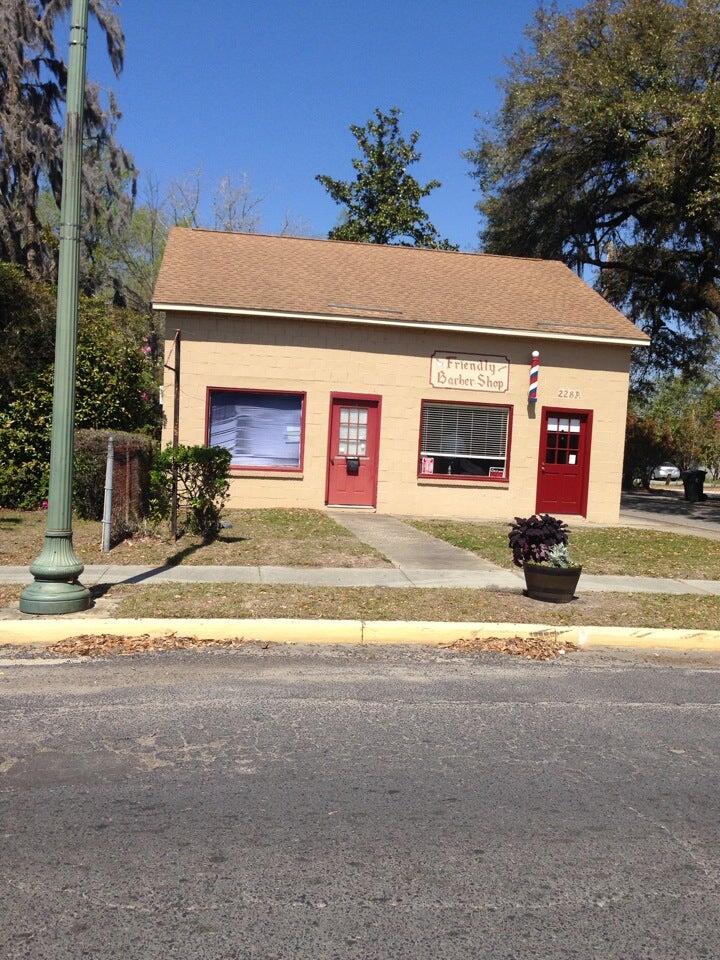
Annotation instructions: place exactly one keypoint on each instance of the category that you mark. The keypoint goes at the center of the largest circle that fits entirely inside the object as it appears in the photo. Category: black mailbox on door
(352, 464)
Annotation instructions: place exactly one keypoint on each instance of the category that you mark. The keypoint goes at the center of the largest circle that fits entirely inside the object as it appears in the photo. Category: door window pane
(353, 432)
(562, 440)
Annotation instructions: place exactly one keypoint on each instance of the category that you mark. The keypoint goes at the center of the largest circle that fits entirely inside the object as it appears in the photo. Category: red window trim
(465, 478)
(278, 393)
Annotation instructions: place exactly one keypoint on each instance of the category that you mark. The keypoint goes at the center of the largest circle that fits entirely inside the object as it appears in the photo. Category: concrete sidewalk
(494, 579)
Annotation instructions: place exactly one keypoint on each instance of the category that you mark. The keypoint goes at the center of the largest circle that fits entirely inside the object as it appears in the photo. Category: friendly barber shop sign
(469, 371)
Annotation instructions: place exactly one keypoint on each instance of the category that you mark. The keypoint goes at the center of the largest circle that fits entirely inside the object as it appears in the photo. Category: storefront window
(261, 430)
(464, 440)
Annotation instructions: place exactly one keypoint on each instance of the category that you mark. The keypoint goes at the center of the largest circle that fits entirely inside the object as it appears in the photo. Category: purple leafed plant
(532, 538)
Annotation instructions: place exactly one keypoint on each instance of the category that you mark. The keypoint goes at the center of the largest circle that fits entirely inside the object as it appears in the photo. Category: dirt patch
(535, 647)
(108, 644)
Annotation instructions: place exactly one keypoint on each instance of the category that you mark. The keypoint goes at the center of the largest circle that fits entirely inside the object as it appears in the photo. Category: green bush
(27, 328)
(203, 486)
(25, 444)
(89, 473)
(116, 389)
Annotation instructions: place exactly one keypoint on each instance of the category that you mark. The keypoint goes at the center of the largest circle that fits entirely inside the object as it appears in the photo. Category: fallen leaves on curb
(106, 644)
(539, 646)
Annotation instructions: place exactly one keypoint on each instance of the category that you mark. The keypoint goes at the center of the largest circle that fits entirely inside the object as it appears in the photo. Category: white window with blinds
(464, 440)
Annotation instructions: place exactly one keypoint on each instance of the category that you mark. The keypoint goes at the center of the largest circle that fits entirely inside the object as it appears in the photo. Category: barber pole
(534, 376)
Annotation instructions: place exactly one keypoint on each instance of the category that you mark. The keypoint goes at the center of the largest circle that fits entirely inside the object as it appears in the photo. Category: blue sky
(269, 89)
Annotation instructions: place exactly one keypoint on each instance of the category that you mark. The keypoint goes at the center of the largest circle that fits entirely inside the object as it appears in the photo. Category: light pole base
(56, 571)
(48, 597)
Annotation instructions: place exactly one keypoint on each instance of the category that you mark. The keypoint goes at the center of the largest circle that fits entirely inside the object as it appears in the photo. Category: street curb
(45, 631)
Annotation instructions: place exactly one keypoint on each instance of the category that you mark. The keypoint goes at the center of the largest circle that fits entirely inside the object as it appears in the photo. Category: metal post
(176, 438)
(56, 588)
(108, 501)
(128, 486)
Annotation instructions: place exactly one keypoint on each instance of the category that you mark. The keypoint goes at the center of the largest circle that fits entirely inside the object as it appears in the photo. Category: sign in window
(464, 440)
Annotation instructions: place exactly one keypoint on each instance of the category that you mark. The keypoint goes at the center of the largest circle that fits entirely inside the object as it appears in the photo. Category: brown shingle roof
(240, 271)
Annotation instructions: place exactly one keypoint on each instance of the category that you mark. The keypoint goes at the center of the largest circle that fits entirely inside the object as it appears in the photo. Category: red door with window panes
(564, 467)
(353, 450)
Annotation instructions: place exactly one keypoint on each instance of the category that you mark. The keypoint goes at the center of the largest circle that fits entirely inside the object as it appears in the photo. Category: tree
(116, 388)
(686, 407)
(675, 424)
(33, 80)
(647, 444)
(137, 251)
(606, 154)
(235, 205)
(27, 328)
(382, 203)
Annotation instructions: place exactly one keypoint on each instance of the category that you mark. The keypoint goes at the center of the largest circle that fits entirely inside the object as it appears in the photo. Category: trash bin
(693, 481)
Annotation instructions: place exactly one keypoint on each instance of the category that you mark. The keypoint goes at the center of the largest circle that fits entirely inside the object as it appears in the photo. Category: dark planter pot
(551, 584)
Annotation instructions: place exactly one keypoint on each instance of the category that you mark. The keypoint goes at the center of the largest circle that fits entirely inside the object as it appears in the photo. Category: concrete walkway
(408, 548)
(495, 578)
(666, 510)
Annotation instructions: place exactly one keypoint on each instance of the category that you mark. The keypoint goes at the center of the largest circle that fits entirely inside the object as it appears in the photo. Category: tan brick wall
(320, 357)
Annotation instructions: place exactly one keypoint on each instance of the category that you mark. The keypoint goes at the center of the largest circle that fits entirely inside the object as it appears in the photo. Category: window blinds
(259, 429)
(450, 430)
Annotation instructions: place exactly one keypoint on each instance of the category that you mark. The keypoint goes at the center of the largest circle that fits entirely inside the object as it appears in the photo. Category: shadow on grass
(174, 560)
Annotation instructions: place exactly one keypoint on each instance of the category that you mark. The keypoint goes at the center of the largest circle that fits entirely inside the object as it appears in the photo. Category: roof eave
(413, 324)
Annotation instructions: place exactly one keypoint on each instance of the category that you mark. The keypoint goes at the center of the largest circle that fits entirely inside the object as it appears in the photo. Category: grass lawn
(304, 538)
(387, 603)
(613, 550)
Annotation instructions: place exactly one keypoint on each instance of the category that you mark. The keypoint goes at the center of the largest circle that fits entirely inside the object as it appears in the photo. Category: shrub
(203, 486)
(532, 539)
(25, 444)
(115, 389)
(27, 327)
(131, 476)
(559, 556)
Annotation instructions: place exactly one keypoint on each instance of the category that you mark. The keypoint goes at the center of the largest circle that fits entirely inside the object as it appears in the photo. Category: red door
(353, 450)
(564, 462)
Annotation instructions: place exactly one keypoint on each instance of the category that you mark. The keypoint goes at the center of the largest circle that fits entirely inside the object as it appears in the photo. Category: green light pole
(56, 588)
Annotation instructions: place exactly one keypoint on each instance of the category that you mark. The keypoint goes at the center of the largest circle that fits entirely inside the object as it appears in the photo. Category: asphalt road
(359, 804)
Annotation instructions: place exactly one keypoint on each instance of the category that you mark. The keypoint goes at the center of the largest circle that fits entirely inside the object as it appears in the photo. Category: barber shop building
(403, 380)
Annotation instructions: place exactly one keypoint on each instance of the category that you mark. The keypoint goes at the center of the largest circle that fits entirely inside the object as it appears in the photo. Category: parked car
(666, 472)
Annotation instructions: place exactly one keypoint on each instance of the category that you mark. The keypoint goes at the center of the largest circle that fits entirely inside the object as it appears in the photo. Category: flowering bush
(534, 538)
